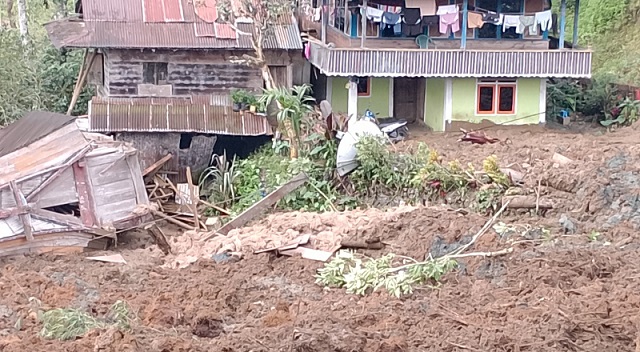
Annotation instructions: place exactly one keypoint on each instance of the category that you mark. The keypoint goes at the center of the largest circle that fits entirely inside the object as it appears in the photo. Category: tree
(264, 14)
(23, 22)
(295, 107)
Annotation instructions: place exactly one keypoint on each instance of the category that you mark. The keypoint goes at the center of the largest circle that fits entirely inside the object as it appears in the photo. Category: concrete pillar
(563, 22)
(352, 104)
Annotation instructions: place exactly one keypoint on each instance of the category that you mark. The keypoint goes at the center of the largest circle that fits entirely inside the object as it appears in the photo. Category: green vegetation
(68, 324)
(37, 76)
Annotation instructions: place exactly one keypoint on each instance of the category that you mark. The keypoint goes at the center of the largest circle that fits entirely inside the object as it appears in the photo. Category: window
(496, 97)
(154, 73)
(185, 141)
(364, 87)
(500, 6)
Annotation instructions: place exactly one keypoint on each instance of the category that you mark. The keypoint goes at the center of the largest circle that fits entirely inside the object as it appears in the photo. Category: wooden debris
(115, 258)
(300, 241)
(376, 244)
(159, 237)
(152, 169)
(261, 205)
(526, 202)
(312, 254)
(476, 137)
(171, 219)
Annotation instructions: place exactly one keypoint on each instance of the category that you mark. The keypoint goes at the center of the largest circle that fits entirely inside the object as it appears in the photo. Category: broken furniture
(62, 190)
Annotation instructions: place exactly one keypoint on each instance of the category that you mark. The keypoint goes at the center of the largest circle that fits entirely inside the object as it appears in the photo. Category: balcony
(401, 62)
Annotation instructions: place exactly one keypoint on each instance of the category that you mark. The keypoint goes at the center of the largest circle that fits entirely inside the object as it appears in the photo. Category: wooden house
(444, 62)
(64, 190)
(163, 72)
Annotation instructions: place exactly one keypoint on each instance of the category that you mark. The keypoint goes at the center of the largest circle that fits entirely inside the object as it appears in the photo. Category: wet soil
(561, 291)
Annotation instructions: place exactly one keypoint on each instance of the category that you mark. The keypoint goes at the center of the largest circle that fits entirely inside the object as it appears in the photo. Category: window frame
(496, 85)
(367, 93)
(156, 67)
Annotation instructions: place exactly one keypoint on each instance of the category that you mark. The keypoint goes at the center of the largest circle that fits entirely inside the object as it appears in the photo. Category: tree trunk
(61, 10)
(23, 21)
(12, 21)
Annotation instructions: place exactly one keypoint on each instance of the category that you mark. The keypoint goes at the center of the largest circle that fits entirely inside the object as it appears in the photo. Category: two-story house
(163, 72)
(440, 61)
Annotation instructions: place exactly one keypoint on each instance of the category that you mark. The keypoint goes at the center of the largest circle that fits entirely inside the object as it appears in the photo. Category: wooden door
(407, 94)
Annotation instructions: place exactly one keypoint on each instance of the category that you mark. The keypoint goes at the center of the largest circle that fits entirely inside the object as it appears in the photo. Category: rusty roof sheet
(30, 128)
(169, 24)
(134, 115)
(451, 63)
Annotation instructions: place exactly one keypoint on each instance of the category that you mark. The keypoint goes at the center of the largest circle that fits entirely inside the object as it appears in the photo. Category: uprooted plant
(397, 274)
(68, 323)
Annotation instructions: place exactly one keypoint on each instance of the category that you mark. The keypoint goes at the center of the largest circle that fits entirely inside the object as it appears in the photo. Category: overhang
(450, 63)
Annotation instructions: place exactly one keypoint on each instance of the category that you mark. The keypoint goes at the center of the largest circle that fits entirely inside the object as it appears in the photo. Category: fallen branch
(362, 245)
(482, 231)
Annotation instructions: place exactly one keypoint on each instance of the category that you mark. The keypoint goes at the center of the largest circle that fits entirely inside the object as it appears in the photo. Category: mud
(558, 291)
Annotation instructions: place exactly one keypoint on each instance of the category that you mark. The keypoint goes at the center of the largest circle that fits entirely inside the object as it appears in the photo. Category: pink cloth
(450, 19)
(307, 51)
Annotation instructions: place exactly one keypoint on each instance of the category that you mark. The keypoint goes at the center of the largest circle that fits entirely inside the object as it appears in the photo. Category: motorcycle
(396, 129)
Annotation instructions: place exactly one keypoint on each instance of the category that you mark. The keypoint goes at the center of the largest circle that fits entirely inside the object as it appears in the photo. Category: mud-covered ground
(561, 291)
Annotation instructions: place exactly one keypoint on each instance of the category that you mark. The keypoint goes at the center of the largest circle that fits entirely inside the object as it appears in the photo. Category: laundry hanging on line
(527, 22)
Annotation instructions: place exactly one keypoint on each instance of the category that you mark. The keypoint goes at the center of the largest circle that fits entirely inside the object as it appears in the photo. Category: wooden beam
(563, 23)
(57, 173)
(325, 21)
(151, 170)
(364, 24)
(261, 205)
(194, 201)
(82, 76)
(26, 218)
(11, 212)
(576, 15)
(85, 201)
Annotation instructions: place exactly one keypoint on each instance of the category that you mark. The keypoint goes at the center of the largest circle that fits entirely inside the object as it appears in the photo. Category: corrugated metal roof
(139, 24)
(450, 63)
(137, 115)
(30, 128)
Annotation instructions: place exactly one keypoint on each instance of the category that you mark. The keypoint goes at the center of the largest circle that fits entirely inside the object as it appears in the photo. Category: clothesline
(480, 9)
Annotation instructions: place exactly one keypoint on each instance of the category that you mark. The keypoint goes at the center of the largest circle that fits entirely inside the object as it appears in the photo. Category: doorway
(408, 98)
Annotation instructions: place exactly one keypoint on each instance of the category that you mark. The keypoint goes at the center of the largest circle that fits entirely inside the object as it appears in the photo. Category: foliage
(217, 181)
(38, 77)
(68, 324)
(593, 98)
(361, 276)
(626, 113)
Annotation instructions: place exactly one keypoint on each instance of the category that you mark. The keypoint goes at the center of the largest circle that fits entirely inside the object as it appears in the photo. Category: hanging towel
(429, 20)
(474, 20)
(427, 7)
(450, 19)
(527, 21)
(307, 50)
(510, 21)
(544, 20)
(391, 18)
(374, 14)
(447, 9)
(492, 18)
(317, 14)
(411, 22)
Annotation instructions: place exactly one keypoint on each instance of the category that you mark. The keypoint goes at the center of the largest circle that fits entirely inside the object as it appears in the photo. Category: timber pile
(179, 204)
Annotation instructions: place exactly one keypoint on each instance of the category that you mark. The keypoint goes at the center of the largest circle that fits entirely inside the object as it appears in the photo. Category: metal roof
(30, 128)
(167, 115)
(450, 63)
(167, 24)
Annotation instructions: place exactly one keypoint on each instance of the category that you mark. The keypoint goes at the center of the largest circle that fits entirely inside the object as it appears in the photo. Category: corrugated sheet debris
(133, 115)
(451, 63)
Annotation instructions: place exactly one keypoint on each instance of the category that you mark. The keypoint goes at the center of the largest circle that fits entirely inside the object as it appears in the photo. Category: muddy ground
(562, 291)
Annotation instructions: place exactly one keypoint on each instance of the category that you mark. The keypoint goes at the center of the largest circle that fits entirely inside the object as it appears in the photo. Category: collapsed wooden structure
(63, 190)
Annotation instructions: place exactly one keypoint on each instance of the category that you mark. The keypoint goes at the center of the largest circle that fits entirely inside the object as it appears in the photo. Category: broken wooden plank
(300, 241)
(85, 201)
(262, 205)
(152, 169)
(312, 254)
(11, 212)
(114, 258)
(171, 220)
(362, 245)
(193, 198)
(526, 202)
(26, 218)
(159, 237)
(58, 172)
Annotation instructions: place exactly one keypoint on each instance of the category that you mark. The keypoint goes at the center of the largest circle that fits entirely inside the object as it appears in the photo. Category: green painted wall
(434, 104)
(527, 102)
(378, 102)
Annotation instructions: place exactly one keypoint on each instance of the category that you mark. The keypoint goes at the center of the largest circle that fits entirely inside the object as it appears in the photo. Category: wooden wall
(188, 72)
(153, 146)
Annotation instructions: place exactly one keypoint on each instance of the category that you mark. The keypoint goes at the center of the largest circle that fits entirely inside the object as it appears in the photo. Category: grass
(69, 324)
